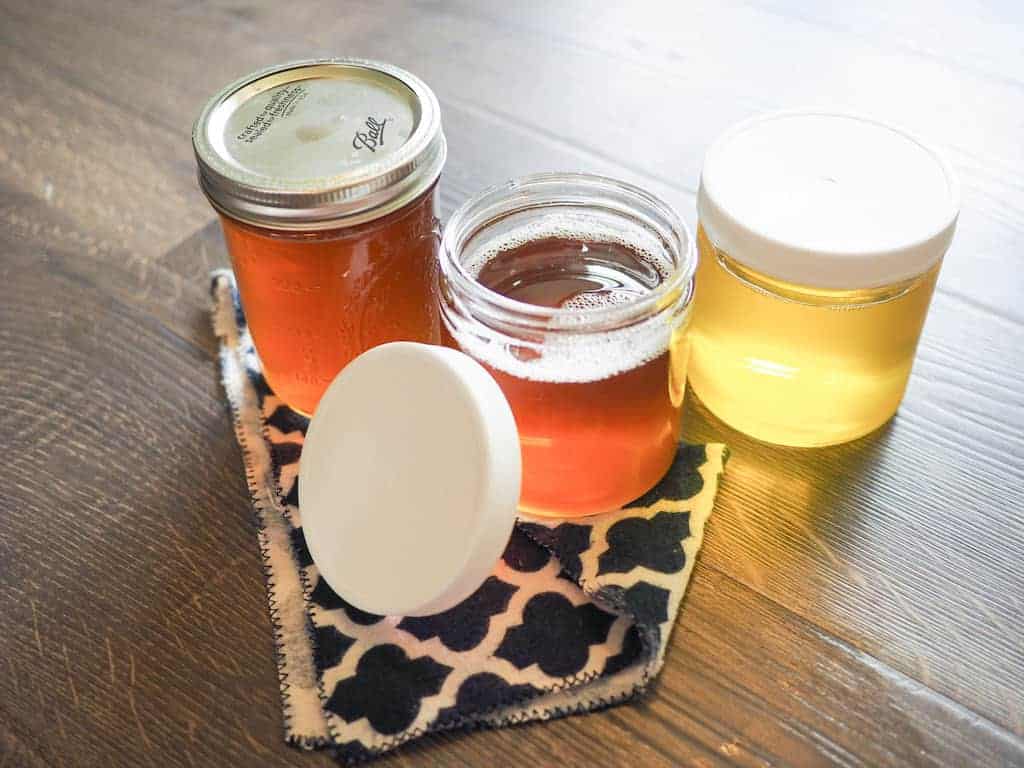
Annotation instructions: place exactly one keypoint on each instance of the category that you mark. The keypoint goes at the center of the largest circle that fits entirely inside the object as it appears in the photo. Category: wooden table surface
(859, 605)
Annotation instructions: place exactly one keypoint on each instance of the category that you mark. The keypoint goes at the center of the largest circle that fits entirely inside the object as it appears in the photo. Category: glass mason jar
(324, 175)
(574, 292)
(821, 238)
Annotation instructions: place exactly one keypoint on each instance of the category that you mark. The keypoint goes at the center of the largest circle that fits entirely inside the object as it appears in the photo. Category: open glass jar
(324, 175)
(574, 292)
(821, 237)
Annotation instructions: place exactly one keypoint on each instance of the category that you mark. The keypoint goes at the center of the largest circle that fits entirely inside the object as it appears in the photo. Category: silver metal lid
(315, 144)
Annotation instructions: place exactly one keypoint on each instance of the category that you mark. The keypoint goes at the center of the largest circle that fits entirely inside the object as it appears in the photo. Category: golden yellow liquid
(800, 366)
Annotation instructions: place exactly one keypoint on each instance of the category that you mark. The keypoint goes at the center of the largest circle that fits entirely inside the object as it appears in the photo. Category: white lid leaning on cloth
(827, 200)
(409, 479)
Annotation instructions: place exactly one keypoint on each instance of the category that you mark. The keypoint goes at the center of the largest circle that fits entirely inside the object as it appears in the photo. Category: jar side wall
(597, 399)
(354, 232)
(592, 447)
(313, 304)
(588, 446)
(809, 295)
(804, 372)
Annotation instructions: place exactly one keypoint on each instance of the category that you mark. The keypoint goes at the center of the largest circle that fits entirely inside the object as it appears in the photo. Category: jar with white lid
(821, 237)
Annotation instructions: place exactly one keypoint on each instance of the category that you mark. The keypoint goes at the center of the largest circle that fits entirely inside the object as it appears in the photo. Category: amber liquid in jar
(316, 300)
(599, 423)
(764, 350)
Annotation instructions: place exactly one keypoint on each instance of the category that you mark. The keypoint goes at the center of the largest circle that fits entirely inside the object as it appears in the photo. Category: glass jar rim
(541, 191)
(329, 198)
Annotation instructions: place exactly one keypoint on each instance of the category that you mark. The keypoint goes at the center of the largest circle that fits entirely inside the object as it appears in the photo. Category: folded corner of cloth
(575, 617)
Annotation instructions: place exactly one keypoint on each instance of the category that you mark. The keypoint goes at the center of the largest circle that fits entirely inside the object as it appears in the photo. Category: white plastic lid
(827, 200)
(409, 479)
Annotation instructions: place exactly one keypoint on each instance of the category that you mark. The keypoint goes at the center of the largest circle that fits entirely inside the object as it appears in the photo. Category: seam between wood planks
(149, 119)
(849, 31)
(826, 635)
(535, 131)
(883, 44)
(891, 673)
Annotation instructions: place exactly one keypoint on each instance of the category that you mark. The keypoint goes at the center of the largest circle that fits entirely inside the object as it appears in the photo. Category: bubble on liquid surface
(574, 261)
(573, 226)
(608, 297)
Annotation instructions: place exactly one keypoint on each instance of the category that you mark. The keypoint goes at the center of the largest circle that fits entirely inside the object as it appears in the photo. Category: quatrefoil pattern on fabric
(576, 615)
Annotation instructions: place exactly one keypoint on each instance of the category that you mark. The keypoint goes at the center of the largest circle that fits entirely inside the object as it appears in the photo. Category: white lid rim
(803, 265)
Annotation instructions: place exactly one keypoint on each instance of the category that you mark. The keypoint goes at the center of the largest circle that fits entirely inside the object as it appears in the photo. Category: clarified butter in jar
(821, 236)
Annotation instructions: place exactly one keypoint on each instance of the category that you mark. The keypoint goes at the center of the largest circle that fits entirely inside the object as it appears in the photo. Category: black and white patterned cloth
(575, 617)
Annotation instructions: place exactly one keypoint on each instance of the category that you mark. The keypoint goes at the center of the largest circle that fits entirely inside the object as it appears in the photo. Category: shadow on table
(804, 480)
(796, 521)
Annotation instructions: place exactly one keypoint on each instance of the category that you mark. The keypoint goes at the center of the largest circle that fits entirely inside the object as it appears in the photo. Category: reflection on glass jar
(574, 292)
(324, 173)
(315, 301)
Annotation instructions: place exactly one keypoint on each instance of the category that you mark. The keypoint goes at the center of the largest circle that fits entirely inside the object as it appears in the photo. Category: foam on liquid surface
(573, 261)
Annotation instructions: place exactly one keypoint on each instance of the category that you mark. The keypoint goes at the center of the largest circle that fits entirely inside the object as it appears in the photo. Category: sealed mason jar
(324, 175)
(574, 292)
(821, 237)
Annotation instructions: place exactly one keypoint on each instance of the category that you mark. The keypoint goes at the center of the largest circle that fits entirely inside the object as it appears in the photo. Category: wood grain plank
(124, 538)
(892, 510)
(652, 70)
(477, 137)
(644, 65)
(982, 38)
(156, 618)
(827, 566)
(145, 634)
